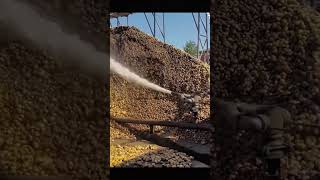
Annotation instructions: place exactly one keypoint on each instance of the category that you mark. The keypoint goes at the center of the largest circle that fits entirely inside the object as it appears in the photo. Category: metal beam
(118, 22)
(148, 22)
(116, 15)
(194, 20)
(160, 30)
(207, 32)
(205, 26)
(145, 15)
(154, 24)
(198, 37)
(183, 125)
(163, 28)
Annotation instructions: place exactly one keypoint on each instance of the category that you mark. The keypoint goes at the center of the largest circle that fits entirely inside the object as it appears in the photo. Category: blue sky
(179, 27)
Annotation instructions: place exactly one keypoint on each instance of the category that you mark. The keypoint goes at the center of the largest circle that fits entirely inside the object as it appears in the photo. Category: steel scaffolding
(205, 27)
(155, 22)
(117, 17)
(201, 21)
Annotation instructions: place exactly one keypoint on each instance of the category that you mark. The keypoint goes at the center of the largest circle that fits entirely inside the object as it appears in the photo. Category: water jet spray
(125, 73)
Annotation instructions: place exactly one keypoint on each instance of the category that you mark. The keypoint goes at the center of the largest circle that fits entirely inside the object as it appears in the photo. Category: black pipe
(259, 123)
(205, 127)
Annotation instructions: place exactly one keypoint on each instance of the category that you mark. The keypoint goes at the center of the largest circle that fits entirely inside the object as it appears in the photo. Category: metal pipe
(205, 127)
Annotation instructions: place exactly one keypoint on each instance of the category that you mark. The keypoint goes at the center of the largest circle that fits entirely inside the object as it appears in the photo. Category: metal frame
(117, 17)
(152, 123)
(155, 23)
(118, 21)
(201, 24)
(205, 28)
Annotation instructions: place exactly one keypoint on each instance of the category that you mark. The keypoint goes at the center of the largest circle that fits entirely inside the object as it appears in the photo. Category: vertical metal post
(208, 40)
(154, 24)
(128, 20)
(198, 37)
(151, 129)
(164, 31)
(207, 32)
(145, 15)
(118, 22)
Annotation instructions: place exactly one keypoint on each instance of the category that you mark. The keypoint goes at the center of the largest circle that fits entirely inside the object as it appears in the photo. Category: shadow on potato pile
(268, 52)
(142, 155)
(52, 118)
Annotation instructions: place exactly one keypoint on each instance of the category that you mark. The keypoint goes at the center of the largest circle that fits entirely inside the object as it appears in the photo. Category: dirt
(268, 52)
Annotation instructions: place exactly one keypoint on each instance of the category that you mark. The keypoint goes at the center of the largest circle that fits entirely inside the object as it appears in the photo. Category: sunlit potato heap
(161, 64)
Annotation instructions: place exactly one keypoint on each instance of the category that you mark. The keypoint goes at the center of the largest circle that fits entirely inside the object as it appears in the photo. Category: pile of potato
(150, 156)
(268, 52)
(52, 117)
(163, 65)
(119, 132)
